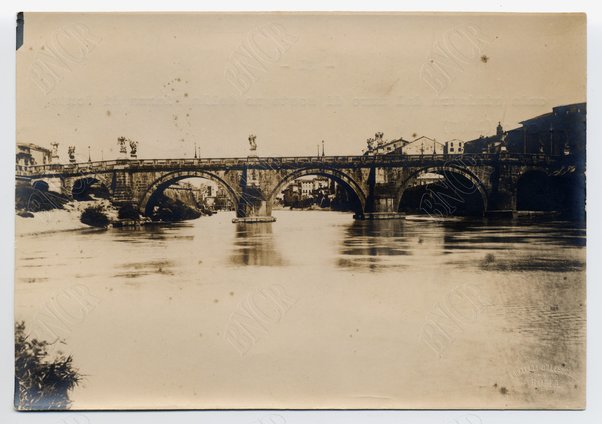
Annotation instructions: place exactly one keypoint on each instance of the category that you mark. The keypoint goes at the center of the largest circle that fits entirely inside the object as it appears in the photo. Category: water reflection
(254, 245)
(520, 245)
(469, 244)
(139, 269)
(387, 244)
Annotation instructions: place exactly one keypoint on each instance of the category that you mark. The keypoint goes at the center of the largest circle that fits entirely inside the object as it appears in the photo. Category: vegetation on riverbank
(95, 216)
(31, 199)
(41, 382)
(54, 211)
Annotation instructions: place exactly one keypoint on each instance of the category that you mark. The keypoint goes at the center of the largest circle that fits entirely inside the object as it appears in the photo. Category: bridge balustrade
(363, 160)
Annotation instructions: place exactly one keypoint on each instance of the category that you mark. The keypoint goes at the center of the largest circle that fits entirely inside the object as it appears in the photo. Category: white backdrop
(594, 182)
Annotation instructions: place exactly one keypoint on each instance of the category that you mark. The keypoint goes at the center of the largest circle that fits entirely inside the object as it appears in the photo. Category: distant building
(420, 146)
(454, 147)
(31, 154)
(321, 183)
(557, 133)
(304, 189)
(389, 147)
(222, 200)
(307, 188)
(291, 194)
(428, 178)
(423, 146)
(492, 144)
(378, 146)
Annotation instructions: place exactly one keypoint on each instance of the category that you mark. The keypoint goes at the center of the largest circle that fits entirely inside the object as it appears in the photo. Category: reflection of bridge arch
(449, 172)
(166, 180)
(339, 177)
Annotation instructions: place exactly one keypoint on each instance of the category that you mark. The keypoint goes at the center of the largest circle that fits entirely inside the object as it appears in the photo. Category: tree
(41, 384)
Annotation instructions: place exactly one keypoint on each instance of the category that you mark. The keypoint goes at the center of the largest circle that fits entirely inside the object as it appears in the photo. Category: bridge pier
(254, 205)
(253, 208)
(380, 207)
(381, 202)
(501, 204)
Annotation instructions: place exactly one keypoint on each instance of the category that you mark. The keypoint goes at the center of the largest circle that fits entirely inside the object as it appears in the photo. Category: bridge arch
(471, 184)
(339, 177)
(41, 185)
(160, 184)
(78, 187)
(534, 191)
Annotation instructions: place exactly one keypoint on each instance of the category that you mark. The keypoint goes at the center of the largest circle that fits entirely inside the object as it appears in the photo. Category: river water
(314, 310)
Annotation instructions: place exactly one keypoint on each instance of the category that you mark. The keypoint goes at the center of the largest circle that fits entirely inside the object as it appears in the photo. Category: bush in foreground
(41, 384)
(128, 211)
(95, 217)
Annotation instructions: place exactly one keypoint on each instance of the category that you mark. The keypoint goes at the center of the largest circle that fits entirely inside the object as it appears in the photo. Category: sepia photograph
(295, 210)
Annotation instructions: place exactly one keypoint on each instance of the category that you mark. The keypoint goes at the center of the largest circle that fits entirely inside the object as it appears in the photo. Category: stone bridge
(376, 184)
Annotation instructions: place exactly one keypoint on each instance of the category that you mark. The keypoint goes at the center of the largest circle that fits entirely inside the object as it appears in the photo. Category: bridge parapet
(288, 162)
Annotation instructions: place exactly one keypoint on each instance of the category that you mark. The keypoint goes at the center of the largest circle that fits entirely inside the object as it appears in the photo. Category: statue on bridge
(370, 143)
(252, 143)
(133, 148)
(122, 148)
(379, 138)
(71, 153)
(54, 156)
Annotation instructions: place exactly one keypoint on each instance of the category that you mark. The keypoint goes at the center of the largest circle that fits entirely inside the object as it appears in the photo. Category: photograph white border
(593, 413)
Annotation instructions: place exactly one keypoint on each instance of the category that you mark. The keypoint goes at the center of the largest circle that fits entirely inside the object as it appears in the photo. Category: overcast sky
(169, 81)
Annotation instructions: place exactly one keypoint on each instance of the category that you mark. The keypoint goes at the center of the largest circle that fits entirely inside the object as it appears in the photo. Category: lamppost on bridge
(89, 157)
(195, 155)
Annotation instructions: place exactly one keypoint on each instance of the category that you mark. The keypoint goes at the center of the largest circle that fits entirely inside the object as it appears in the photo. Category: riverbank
(66, 219)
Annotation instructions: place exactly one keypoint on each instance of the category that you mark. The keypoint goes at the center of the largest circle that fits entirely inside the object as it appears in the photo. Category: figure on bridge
(71, 153)
(122, 148)
(252, 143)
(54, 156)
(133, 148)
(379, 138)
(370, 143)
